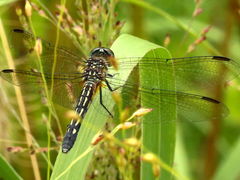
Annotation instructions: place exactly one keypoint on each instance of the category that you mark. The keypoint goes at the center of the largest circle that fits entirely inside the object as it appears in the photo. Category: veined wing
(190, 107)
(22, 43)
(190, 72)
(67, 77)
(66, 87)
(24, 77)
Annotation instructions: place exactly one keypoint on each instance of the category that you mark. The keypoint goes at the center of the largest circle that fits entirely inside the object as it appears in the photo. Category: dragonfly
(77, 80)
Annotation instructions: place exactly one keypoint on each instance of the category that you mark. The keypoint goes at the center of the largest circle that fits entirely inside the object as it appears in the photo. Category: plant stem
(21, 105)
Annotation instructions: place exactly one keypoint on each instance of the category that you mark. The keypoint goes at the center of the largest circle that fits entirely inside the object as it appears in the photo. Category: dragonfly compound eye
(101, 52)
(109, 52)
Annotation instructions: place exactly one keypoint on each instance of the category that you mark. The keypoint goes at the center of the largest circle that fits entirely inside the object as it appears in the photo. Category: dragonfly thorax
(96, 69)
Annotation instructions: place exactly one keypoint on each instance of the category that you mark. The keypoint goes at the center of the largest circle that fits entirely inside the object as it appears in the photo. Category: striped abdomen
(81, 108)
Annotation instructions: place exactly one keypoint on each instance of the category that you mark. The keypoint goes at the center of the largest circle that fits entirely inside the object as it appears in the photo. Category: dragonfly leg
(101, 102)
(112, 75)
(110, 88)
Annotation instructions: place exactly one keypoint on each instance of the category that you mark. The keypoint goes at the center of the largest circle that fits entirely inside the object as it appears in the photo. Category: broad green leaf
(181, 156)
(158, 138)
(7, 171)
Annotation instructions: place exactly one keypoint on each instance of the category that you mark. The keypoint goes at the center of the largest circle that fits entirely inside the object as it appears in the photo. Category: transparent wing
(67, 77)
(22, 43)
(190, 72)
(24, 77)
(66, 89)
(190, 107)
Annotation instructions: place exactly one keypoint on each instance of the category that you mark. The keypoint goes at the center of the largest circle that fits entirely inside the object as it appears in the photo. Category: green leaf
(229, 168)
(158, 138)
(181, 156)
(7, 171)
(75, 163)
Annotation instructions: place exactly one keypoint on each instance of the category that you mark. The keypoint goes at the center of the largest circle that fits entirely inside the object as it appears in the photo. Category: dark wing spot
(211, 100)
(8, 71)
(221, 58)
(18, 30)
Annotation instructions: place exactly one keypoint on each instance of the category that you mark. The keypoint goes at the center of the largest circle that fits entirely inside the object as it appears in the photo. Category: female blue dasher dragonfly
(76, 80)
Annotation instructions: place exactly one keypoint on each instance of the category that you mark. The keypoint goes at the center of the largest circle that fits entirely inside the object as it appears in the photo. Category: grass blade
(158, 138)
(7, 171)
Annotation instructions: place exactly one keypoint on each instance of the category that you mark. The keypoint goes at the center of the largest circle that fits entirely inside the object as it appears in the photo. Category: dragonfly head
(102, 52)
(105, 53)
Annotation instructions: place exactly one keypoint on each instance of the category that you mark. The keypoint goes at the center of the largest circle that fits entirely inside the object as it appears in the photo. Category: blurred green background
(204, 150)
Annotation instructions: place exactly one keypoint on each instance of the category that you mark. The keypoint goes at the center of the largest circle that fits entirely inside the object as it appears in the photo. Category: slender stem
(85, 9)
(63, 2)
(212, 156)
(14, 113)
(21, 105)
(53, 20)
(69, 34)
(49, 97)
(174, 20)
